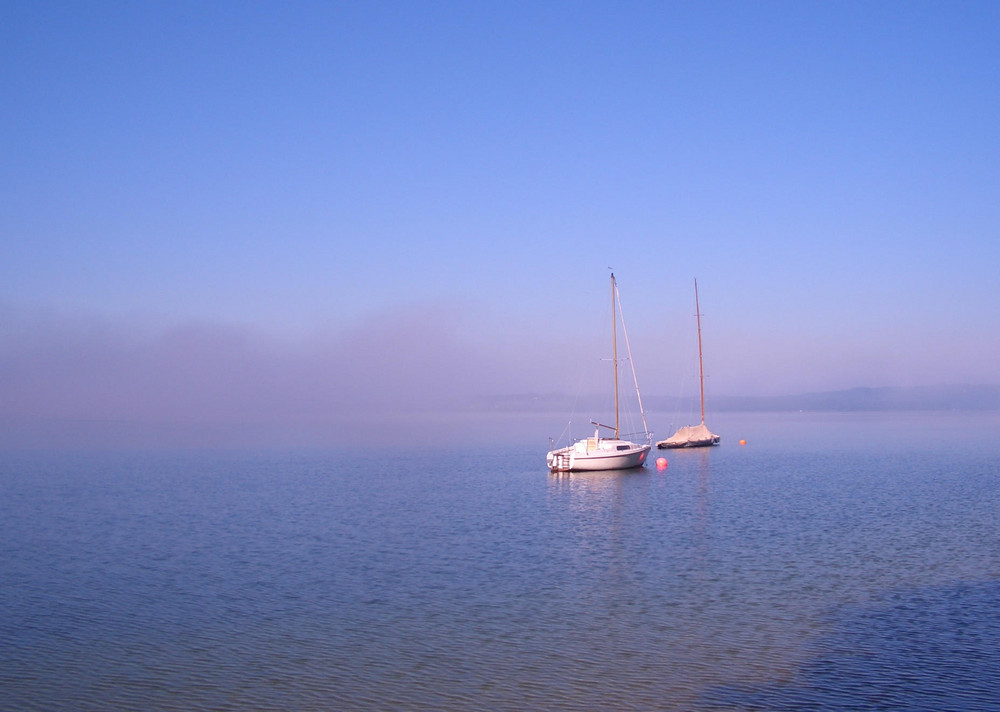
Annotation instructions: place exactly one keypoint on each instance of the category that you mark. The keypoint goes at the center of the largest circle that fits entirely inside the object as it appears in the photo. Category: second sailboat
(694, 435)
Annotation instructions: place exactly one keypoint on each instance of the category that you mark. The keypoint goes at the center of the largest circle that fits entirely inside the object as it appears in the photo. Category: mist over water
(71, 382)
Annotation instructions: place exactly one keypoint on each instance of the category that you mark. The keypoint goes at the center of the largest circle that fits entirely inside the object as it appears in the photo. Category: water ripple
(738, 579)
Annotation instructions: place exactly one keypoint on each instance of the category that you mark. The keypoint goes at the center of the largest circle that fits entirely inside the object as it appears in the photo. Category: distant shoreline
(947, 397)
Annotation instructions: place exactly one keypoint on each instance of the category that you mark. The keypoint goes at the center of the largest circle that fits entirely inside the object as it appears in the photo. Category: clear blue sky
(266, 207)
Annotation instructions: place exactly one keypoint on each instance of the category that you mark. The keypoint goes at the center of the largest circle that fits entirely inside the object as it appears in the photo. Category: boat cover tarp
(691, 435)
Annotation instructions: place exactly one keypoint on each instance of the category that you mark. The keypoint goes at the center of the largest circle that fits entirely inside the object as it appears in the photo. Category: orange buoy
(743, 442)
(661, 463)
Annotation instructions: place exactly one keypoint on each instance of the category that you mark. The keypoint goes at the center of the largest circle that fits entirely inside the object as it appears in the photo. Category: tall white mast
(614, 346)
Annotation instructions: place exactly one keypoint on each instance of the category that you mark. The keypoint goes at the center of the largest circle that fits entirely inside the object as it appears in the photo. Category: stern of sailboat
(560, 461)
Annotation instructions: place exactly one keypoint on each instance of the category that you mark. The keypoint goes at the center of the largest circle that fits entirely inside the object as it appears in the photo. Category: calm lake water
(847, 561)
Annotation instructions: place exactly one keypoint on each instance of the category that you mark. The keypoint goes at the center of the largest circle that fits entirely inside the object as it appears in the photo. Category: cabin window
(623, 447)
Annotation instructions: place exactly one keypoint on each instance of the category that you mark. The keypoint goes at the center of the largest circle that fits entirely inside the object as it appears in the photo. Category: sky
(273, 218)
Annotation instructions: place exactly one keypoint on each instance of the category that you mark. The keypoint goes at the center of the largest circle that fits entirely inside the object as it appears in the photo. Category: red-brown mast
(701, 368)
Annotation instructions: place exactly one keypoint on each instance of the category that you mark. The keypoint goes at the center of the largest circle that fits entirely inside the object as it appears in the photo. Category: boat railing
(639, 437)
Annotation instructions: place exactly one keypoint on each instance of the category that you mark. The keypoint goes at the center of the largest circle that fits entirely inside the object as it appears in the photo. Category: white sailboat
(694, 435)
(606, 453)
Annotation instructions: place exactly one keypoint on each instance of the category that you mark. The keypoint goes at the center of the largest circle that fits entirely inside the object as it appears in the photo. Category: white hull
(590, 456)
